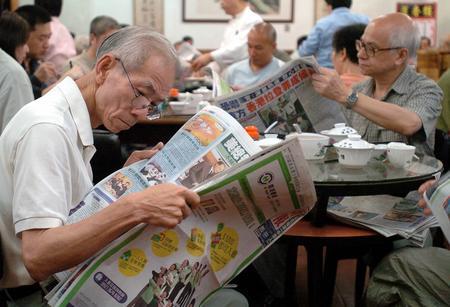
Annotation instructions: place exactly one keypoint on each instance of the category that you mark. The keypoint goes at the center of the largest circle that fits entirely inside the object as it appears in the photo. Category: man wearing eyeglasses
(45, 170)
(395, 103)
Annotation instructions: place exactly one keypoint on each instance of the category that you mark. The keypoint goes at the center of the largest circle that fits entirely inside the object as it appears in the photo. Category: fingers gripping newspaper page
(243, 210)
(288, 98)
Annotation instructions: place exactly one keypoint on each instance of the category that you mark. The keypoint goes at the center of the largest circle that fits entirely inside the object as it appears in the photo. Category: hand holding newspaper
(249, 198)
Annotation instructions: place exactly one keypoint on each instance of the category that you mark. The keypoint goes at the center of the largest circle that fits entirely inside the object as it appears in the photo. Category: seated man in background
(100, 28)
(396, 103)
(412, 276)
(44, 162)
(61, 44)
(261, 64)
(41, 73)
(345, 56)
(233, 47)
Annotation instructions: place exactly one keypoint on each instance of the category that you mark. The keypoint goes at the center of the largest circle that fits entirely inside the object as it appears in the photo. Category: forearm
(388, 115)
(47, 251)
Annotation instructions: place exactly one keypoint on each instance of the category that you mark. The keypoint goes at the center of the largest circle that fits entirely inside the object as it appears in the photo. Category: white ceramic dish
(178, 106)
(339, 132)
(268, 142)
(354, 152)
(313, 144)
(205, 92)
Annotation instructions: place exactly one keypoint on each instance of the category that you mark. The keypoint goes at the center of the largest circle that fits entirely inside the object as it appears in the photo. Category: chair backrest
(108, 157)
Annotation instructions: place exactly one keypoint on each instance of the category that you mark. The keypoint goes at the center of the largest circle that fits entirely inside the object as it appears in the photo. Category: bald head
(400, 31)
(267, 30)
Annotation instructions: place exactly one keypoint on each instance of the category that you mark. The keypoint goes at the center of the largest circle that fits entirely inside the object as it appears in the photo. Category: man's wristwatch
(351, 99)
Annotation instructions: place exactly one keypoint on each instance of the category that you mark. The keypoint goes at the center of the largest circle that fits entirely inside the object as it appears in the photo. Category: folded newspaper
(385, 214)
(249, 198)
(438, 198)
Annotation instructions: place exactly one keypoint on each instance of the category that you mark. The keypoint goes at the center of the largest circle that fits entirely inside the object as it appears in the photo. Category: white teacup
(400, 154)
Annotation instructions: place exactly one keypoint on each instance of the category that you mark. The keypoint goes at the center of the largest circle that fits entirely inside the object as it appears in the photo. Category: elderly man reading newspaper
(44, 162)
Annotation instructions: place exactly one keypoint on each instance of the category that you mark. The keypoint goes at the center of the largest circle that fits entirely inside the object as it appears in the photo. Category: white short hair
(133, 45)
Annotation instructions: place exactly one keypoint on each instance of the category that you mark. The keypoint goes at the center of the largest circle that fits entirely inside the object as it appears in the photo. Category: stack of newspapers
(385, 214)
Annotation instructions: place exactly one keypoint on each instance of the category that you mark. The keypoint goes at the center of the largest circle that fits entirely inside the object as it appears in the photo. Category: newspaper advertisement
(438, 198)
(288, 98)
(242, 211)
(385, 214)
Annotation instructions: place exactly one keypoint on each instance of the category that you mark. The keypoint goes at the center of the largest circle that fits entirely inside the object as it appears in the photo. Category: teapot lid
(202, 89)
(340, 129)
(354, 141)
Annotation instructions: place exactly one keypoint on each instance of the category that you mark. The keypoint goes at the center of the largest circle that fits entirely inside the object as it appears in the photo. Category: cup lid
(354, 141)
(340, 129)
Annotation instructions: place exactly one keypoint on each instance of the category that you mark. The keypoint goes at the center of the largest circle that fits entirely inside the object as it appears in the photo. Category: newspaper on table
(252, 200)
(287, 97)
(438, 198)
(385, 214)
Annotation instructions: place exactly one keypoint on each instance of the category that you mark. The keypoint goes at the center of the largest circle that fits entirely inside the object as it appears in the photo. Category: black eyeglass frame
(359, 44)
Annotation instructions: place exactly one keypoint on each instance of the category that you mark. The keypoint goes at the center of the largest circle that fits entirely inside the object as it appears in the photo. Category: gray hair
(407, 37)
(133, 45)
(267, 29)
(102, 24)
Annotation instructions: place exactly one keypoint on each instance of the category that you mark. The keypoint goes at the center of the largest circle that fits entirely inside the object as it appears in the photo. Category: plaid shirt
(412, 91)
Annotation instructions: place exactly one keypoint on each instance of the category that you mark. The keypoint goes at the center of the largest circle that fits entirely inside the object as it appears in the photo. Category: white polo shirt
(44, 165)
(233, 47)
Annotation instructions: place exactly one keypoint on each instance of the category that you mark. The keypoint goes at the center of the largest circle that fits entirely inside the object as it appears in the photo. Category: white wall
(77, 15)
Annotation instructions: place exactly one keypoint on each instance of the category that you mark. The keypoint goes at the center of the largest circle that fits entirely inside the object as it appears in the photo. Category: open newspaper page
(243, 210)
(385, 214)
(288, 98)
(210, 142)
(438, 198)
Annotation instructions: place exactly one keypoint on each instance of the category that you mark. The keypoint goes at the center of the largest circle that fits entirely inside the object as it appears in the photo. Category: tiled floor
(345, 280)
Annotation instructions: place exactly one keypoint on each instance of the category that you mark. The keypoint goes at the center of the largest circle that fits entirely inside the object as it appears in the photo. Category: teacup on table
(313, 144)
(400, 155)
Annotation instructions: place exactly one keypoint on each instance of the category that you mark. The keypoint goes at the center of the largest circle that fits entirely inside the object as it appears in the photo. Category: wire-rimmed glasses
(141, 103)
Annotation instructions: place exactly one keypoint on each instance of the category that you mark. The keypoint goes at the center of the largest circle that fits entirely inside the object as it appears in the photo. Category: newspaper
(438, 198)
(288, 98)
(388, 215)
(251, 201)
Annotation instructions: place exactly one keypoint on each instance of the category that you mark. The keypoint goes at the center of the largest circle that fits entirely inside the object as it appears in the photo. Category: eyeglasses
(371, 50)
(141, 103)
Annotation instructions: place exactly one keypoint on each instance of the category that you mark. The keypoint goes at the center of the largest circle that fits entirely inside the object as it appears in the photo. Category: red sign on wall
(424, 15)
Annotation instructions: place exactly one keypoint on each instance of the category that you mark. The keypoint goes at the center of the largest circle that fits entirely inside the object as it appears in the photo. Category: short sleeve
(42, 178)
(426, 103)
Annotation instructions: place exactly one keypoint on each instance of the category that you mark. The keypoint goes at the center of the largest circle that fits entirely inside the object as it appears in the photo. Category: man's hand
(139, 155)
(164, 205)
(422, 204)
(46, 73)
(201, 61)
(328, 84)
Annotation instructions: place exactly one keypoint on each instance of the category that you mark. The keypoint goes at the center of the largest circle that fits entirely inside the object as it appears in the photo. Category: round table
(377, 177)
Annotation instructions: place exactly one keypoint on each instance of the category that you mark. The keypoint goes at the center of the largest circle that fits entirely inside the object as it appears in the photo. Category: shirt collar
(401, 83)
(340, 10)
(78, 108)
(244, 11)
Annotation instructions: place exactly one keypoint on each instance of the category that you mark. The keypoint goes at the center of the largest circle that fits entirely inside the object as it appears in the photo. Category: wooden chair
(429, 63)
(341, 242)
